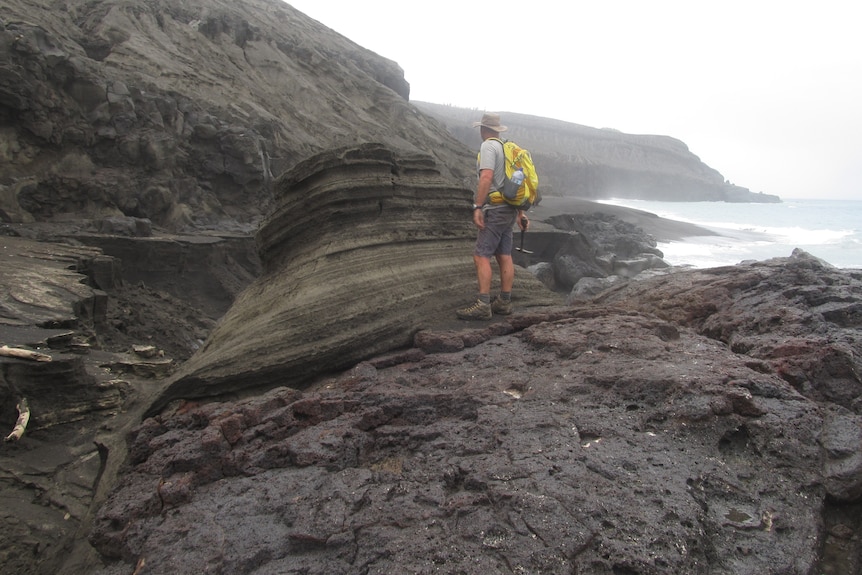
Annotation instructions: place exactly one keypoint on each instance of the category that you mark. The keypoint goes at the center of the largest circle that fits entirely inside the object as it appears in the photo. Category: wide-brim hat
(491, 121)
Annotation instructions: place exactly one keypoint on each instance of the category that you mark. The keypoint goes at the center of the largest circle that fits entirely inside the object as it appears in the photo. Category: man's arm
(485, 179)
(482, 191)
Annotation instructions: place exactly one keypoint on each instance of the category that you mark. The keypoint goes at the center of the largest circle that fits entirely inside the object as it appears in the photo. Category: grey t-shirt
(491, 157)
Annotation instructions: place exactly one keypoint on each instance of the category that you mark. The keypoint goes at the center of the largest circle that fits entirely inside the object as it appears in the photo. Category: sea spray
(828, 229)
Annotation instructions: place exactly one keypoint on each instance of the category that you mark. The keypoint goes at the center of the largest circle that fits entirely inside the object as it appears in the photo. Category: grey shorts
(496, 238)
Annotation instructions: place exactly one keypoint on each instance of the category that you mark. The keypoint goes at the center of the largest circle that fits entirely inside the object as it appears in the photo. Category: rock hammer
(523, 229)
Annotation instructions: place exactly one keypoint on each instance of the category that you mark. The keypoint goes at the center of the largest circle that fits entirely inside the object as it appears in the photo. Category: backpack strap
(502, 151)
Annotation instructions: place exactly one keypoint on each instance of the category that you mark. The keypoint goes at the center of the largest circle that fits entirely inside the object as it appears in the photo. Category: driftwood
(23, 420)
(23, 406)
(23, 353)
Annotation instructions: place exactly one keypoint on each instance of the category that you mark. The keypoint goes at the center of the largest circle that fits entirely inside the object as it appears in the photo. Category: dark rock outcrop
(598, 246)
(642, 433)
(185, 114)
(798, 316)
(581, 246)
(67, 303)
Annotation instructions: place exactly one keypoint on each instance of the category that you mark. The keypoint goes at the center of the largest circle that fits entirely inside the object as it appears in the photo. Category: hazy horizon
(766, 93)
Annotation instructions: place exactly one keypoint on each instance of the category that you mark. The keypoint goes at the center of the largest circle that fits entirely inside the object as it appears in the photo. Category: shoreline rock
(714, 429)
(592, 438)
(610, 369)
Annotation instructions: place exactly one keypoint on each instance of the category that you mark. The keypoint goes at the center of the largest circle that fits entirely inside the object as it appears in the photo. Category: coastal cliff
(231, 248)
(594, 163)
(186, 114)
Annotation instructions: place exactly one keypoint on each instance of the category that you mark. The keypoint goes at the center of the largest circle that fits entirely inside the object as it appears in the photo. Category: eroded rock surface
(798, 316)
(597, 441)
(329, 299)
(699, 422)
(185, 114)
(599, 438)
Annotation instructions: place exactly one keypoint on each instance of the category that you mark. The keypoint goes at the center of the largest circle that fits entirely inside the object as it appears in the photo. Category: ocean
(828, 229)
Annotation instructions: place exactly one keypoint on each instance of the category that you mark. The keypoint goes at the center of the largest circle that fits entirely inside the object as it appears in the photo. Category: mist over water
(828, 229)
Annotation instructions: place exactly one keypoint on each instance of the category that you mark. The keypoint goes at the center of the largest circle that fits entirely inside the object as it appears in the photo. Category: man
(494, 221)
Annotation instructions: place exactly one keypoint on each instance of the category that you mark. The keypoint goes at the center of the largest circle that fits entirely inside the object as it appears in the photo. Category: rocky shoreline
(658, 428)
(301, 400)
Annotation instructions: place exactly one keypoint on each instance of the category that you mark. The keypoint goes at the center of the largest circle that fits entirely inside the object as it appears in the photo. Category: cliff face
(595, 163)
(185, 114)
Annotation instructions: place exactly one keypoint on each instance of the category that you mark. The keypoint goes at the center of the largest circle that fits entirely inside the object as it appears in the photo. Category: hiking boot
(479, 310)
(501, 306)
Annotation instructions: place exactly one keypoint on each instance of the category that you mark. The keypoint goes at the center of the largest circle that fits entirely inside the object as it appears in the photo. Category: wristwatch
(477, 207)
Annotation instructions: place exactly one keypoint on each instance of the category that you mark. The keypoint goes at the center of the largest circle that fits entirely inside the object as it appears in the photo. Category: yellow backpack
(521, 196)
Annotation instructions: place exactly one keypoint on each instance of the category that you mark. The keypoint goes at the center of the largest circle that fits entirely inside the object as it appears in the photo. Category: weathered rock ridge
(328, 299)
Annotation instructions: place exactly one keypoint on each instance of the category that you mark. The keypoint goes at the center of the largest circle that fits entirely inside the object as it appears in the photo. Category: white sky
(767, 92)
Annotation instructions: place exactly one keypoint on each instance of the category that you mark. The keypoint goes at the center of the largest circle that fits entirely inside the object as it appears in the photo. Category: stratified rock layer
(328, 299)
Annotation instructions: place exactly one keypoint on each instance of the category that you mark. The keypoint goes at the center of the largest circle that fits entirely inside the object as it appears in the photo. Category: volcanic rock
(328, 299)
(184, 115)
(252, 199)
(632, 434)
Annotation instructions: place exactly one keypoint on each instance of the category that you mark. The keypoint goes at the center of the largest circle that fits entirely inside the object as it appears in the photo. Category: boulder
(629, 268)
